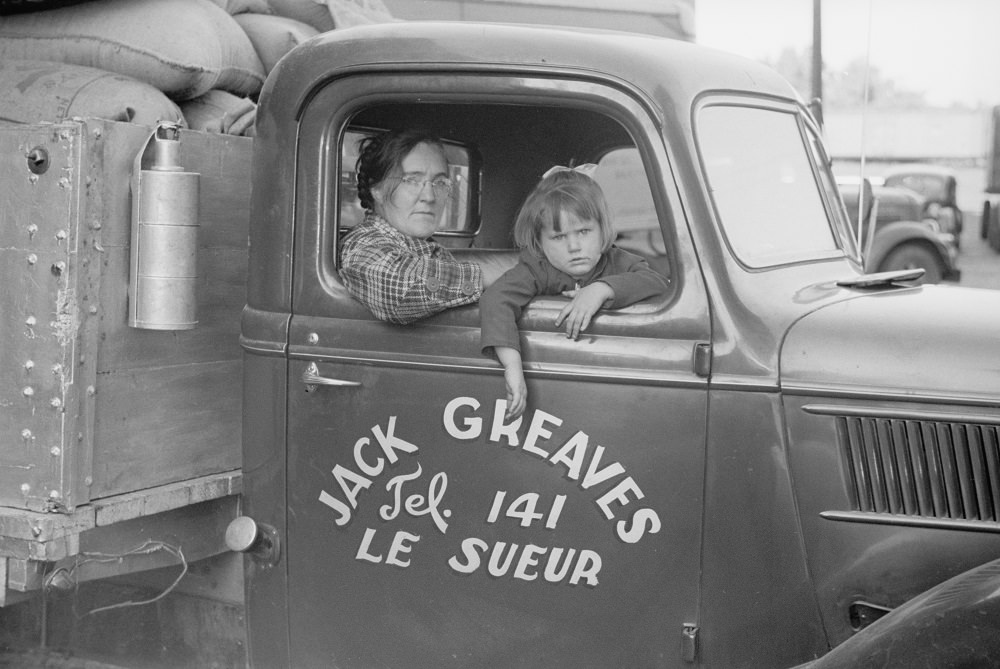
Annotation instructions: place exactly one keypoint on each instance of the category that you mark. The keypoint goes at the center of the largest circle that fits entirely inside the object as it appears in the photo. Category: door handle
(311, 378)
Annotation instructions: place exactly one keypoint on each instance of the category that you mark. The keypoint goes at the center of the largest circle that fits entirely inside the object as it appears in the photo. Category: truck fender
(953, 624)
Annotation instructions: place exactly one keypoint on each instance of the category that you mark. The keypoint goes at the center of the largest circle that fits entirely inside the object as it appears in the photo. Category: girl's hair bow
(587, 170)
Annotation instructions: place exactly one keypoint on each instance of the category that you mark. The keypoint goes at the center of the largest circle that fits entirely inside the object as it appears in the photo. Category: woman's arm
(400, 286)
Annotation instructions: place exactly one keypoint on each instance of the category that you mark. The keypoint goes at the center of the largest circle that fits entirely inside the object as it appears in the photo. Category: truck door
(423, 530)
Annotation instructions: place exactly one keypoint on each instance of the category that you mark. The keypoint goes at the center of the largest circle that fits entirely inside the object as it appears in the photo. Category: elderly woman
(389, 262)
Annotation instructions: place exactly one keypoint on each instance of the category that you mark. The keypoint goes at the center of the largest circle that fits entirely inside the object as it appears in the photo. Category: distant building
(667, 18)
(936, 135)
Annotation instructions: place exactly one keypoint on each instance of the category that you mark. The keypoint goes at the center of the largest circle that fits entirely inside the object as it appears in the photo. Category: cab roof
(643, 62)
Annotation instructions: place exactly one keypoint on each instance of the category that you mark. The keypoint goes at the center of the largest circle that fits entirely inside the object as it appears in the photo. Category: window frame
(330, 111)
(814, 155)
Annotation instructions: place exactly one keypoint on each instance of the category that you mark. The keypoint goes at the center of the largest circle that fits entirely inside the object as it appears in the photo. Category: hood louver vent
(928, 468)
(910, 467)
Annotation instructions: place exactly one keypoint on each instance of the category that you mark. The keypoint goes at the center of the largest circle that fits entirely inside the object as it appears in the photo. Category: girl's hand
(584, 304)
(517, 393)
(513, 376)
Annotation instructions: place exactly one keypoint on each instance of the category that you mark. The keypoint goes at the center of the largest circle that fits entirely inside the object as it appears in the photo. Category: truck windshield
(764, 186)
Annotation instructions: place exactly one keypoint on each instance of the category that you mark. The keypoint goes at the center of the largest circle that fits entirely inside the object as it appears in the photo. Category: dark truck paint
(743, 474)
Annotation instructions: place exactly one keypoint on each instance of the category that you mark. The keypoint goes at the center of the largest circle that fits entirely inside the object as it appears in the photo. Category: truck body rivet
(313, 338)
(58, 267)
(61, 235)
(54, 494)
(32, 258)
(25, 488)
(55, 451)
(38, 161)
(30, 321)
(32, 229)
(29, 365)
(90, 391)
(28, 391)
(26, 434)
(55, 403)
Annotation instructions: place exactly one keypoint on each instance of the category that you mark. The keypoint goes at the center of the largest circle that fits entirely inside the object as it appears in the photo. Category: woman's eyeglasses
(414, 186)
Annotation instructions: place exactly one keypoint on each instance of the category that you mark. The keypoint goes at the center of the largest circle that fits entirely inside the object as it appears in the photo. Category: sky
(947, 49)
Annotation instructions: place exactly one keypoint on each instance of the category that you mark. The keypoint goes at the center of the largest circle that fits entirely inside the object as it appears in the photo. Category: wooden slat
(157, 426)
(165, 498)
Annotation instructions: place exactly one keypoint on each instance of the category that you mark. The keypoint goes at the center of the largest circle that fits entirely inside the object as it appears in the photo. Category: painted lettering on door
(416, 495)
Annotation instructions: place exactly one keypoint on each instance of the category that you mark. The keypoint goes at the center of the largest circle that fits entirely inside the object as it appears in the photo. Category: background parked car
(906, 235)
(937, 185)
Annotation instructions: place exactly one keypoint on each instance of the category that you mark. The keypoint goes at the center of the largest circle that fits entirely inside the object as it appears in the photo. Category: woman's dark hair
(380, 155)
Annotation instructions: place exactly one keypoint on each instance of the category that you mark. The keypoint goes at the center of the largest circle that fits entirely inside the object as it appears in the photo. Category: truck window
(623, 179)
(501, 150)
(763, 185)
(497, 162)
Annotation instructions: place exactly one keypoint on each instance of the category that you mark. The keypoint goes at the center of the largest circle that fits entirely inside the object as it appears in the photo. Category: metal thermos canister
(164, 253)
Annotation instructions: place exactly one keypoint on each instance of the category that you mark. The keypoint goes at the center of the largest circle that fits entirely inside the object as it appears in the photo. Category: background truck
(783, 461)
(990, 220)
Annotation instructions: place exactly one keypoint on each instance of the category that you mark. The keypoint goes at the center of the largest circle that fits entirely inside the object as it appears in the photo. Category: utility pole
(817, 62)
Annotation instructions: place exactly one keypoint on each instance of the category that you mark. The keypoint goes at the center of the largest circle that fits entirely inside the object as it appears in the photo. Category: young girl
(565, 235)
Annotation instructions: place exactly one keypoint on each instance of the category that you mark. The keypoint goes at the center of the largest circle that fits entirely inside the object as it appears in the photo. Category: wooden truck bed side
(103, 423)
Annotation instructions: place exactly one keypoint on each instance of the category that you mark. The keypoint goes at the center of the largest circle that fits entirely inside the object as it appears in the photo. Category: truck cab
(744, 473)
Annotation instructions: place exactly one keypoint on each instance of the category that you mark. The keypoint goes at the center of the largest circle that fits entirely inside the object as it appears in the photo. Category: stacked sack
(200, 63)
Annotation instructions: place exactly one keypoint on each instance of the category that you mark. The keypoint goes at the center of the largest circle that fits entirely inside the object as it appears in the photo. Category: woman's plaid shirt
(402, 279)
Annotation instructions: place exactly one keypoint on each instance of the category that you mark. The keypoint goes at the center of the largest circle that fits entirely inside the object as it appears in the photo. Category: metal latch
(702, 360)
(689, 642)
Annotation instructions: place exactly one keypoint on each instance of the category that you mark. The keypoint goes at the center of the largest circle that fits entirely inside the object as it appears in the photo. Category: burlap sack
(273, 36)
(221, 112)
(43, 91)
(182, 47)
(310, 12)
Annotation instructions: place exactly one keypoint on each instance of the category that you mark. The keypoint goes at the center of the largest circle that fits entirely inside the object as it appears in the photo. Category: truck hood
(928, 343)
